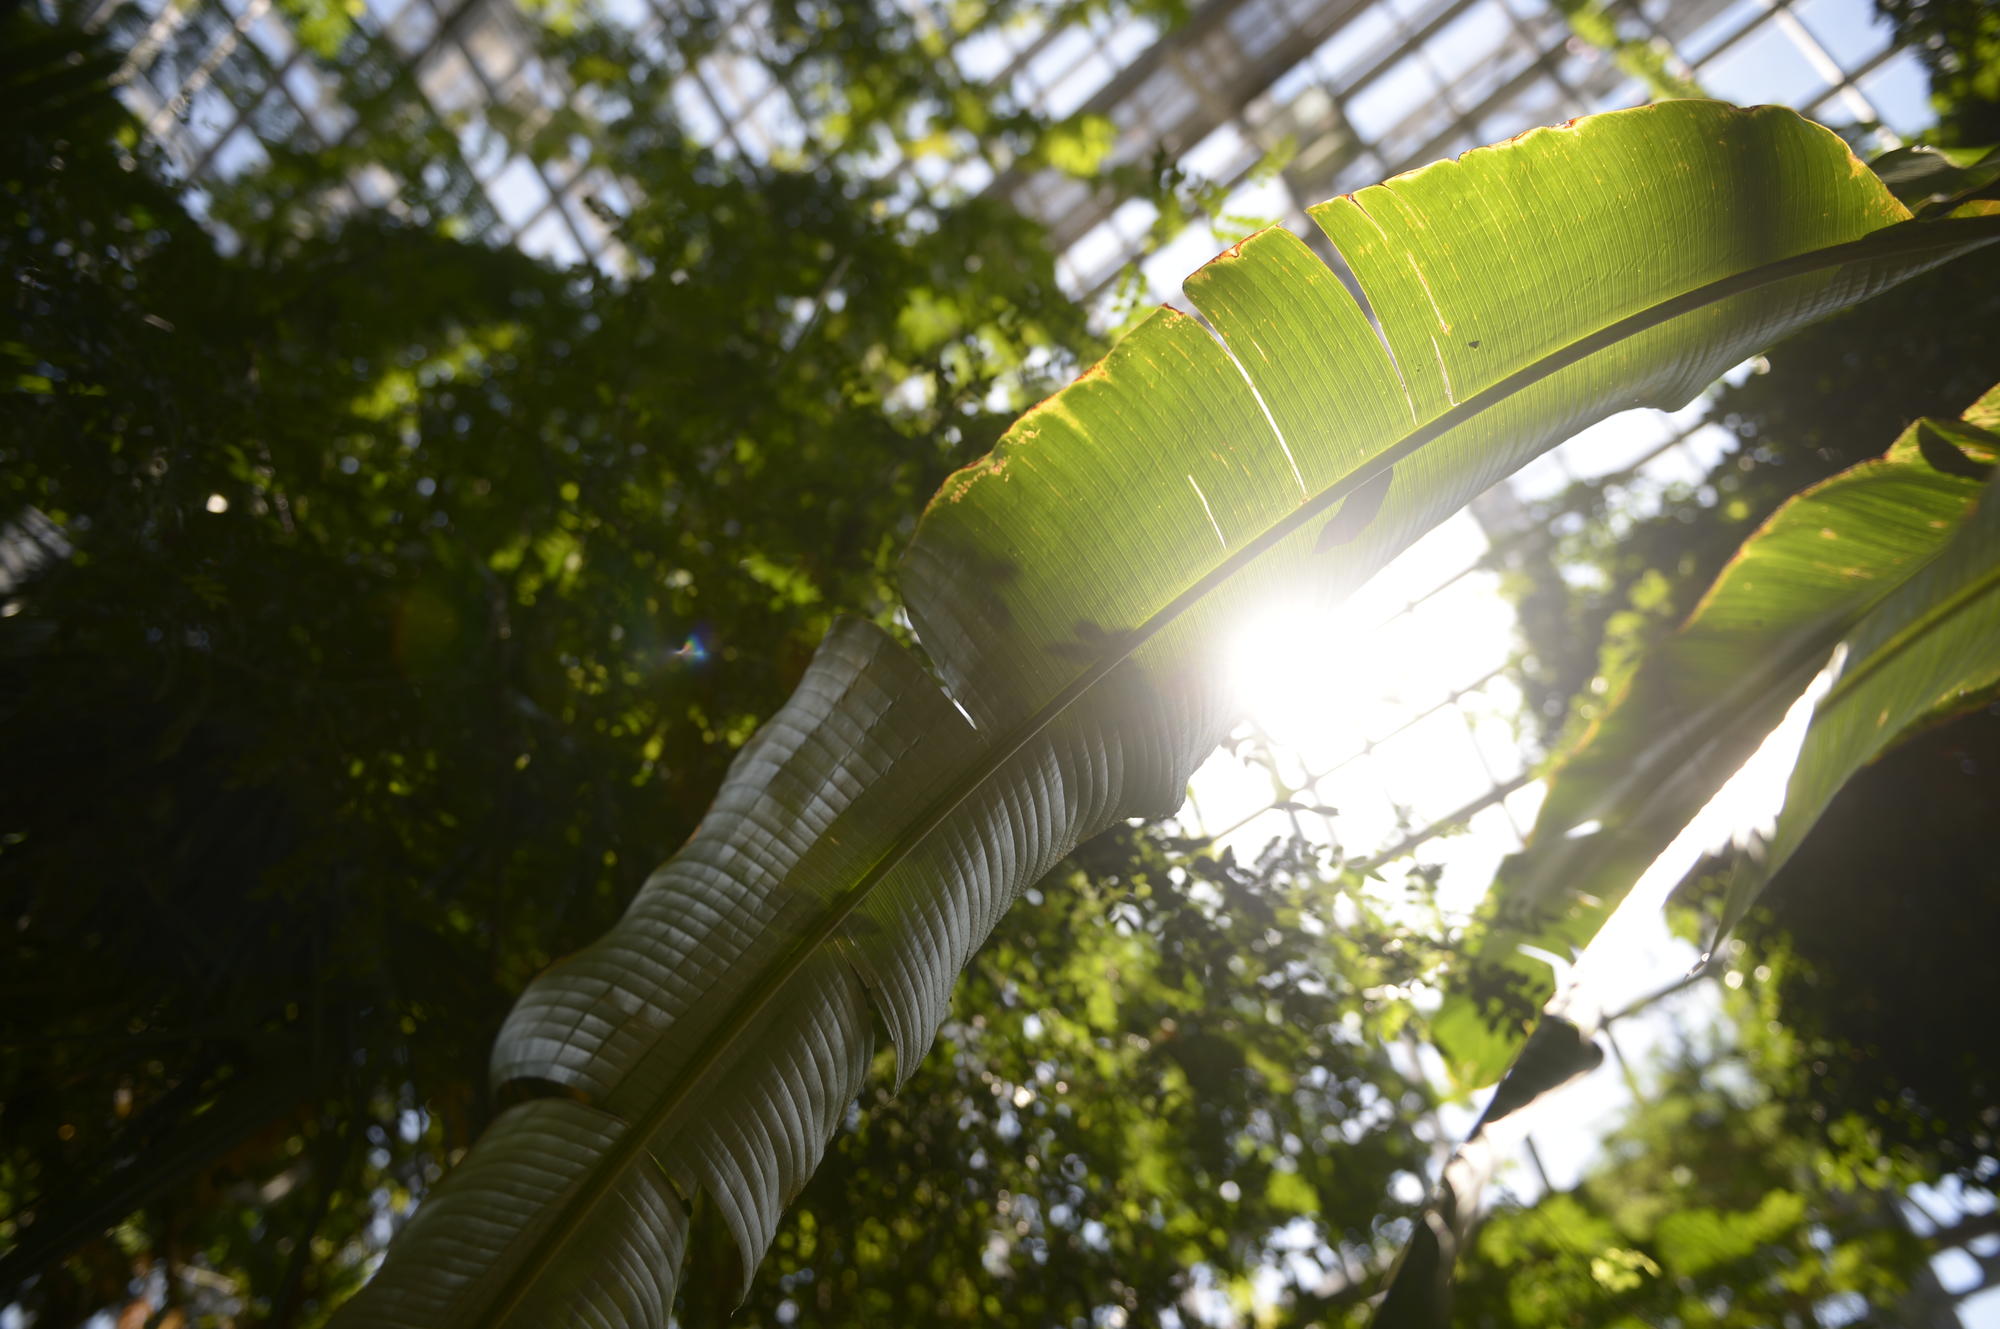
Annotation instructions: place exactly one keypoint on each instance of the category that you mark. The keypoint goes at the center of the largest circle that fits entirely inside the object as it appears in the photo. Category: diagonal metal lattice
(1277, 103)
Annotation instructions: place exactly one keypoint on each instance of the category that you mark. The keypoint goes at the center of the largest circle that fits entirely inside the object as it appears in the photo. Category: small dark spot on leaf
(1473, 344)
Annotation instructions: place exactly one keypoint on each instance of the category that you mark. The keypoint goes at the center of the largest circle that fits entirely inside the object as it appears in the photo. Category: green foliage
(409, 599)
(1707, 1210)
(1925, 650)
(1887, 560)
(1959, 42)
(869, 838)
(419, 597)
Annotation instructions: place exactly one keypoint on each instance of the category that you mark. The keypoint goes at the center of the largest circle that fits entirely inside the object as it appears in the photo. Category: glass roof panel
(1358, 90)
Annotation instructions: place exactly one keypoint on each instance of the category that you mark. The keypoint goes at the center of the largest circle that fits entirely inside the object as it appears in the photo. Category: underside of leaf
(1075, 589)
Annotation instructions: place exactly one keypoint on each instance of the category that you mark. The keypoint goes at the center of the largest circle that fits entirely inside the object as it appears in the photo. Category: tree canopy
(396, 601)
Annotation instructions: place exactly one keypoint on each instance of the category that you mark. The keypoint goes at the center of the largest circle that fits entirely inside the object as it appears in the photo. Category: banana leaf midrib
(1906, 237)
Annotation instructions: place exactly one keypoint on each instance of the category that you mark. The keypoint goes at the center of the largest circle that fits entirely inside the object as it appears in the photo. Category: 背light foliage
(1072, 591)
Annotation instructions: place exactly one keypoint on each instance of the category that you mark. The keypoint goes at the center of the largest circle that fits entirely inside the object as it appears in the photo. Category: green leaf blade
(1933, 640)
(1164, 451)
(502, 1198)
(1076, 590)
(1698, 707)
(1478, 266)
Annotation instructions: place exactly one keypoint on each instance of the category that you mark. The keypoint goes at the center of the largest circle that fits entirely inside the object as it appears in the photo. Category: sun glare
(1377, 720)
(1303, 677)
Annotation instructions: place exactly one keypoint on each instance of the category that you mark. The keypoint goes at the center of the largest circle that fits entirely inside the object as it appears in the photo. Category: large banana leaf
(1698, 706)
(1914, 539)
(1075, 590)
(1926, 648)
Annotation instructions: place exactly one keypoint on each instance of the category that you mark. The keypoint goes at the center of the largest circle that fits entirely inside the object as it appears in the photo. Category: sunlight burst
(1302, 676)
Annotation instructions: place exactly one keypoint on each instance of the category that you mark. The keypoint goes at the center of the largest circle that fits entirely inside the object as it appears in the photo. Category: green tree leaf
(1699, 705)
(1931, 643)
(1073, 590)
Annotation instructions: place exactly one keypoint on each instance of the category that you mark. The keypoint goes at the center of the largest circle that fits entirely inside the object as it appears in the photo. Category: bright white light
(1355, 702)
(1303, 677)
(217, 503)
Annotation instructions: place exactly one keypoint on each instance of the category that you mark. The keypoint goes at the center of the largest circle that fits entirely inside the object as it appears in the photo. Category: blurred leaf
(1930, 645)
(1697, 706)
